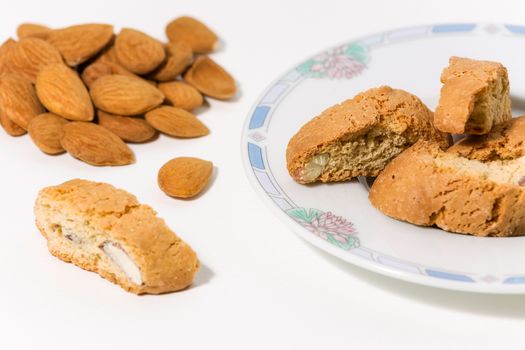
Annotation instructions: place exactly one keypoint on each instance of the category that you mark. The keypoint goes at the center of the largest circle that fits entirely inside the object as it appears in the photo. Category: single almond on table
(181, 95)
(138, 52)
(179, 57)
(131, 129)
(123, 95)
(211, 79)
(194, 33)
(61, 91)
(46, 131)
(18, 100)
(176, 122)
(5, 54)
(78, 43)
(99, 69)
(9, 126)
(95, 144)
(33, 30)
(30, 55)
(184, 177)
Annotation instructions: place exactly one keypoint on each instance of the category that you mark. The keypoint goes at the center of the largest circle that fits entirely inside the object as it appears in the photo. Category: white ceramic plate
(338, 217)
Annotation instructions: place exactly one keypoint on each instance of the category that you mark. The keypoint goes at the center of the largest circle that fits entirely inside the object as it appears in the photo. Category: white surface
(388, 246)
(261, 287)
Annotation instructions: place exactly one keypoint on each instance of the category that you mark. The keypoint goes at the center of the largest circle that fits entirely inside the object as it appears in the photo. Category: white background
(260, 287)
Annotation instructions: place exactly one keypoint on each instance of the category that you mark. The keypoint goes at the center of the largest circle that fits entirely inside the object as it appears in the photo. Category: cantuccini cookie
(106, 230)
(476, 187)
(360, 136)
(474, 97)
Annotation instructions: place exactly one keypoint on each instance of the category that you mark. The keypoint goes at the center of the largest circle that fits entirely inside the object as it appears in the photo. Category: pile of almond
(84, 90)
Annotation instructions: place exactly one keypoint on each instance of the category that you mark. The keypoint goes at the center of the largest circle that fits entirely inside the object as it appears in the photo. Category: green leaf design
(358, 52)
(351, 242)
(306, 66)
(303, 214)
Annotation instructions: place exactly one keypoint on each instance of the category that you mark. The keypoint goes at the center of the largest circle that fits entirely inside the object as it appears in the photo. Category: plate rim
(370, 265)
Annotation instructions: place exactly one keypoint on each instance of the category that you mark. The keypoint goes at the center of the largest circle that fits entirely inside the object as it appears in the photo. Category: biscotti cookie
(427, 186)
(106, 230)
(474, 97)
(360, 136)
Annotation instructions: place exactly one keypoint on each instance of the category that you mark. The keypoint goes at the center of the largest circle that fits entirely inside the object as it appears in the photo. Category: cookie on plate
(106, 230)
(360, 136)
(474, 97)
(476, 187)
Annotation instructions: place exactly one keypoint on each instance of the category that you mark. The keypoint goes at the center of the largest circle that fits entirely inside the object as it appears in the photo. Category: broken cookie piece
(360, 136)
(474, 97)
(476, 187)
(106, 230)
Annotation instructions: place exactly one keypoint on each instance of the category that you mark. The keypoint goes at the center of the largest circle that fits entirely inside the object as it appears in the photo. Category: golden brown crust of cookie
(166, 263)
(393, 109)
(465, 81)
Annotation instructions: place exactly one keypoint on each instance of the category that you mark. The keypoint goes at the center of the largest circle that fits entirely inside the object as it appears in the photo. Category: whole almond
(179, 57)
(30, 55)
(194, 33)
(46, 131)
(61, 91)
(78, 43)
(33, 30)
(123, 95)
(138, 52)
(184, 177)
(5, 55)
(9, 126)
(176, 122)
(95, 144)
(210, 79)
(99, 69)
(18, 100)
(181, 95)
(129, 129)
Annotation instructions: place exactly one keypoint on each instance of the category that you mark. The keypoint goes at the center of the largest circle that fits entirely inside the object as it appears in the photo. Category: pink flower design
(336, 64)
(327, 223)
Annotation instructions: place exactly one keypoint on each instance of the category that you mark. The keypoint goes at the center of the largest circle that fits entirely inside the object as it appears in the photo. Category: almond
(122, 95)
(138, 52)
(184, 177)
(18, 100)
(33, 30)
(46, 131)
(181, 95)
(179, 57)
(80, 42)
(127, 128)
(61, 91)
(211, 79)
(176, 122)
(95, 144)
(194, 33)
(30, 55)
(9, 126)
(99, 69)
(5, 55)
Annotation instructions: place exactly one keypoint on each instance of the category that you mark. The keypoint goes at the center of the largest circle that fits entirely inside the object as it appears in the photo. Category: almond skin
(194, 33)
(181, 95)
(9, 126)
(5, 55)
(138, 52)
(176, 122)
(123, 95)
(80, 42)
(33, 30)
(95, 144)
(99, 69)
(30, 55)
(46, 131)
(211, 79)
(178, 57)
(18, 100)
(184, 177)
(129, 129)
(61, 91)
